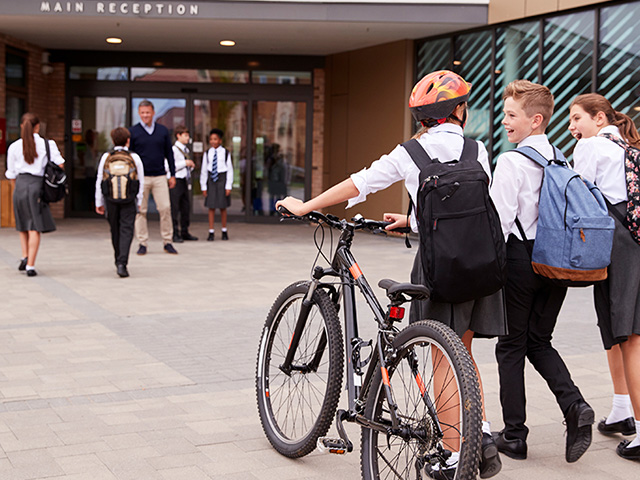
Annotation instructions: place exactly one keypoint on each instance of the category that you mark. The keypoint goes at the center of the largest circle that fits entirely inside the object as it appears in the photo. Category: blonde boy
(532, 303)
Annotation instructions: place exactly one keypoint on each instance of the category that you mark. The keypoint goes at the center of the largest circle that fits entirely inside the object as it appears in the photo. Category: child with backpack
(533, 303)
(119, 191)
(439, 103)
(607, 154)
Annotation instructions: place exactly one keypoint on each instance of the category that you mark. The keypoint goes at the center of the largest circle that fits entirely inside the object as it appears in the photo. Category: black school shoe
(225, 236)
(625, 427)
(31, 273)
(579, 420)
(187, 236)
(177, 239)
(23, 264)
(512, 447)
(122, 270)
(630, 453)
(490, 463)
(441, 473)
(210, 237)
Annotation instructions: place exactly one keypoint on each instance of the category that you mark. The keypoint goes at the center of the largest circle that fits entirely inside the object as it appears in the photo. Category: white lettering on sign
(122, 8)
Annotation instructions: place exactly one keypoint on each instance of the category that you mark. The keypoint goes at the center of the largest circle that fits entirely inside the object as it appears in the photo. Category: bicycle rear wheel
(297, 408)
(431, 367)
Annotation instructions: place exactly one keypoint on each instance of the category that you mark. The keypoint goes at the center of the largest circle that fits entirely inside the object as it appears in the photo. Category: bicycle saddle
(396, 289)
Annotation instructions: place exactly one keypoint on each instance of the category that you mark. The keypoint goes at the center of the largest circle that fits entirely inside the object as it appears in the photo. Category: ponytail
(627, 129)
(27, 125)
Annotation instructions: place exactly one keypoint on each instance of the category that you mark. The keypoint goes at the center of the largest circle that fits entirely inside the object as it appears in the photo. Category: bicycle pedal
(337, 446)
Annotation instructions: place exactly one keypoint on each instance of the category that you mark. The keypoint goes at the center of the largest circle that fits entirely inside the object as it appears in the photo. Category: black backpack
(54, 180)
(120, 182)
(462, 248)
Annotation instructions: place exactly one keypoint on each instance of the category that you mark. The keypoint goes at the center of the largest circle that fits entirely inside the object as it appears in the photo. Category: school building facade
(307, 91)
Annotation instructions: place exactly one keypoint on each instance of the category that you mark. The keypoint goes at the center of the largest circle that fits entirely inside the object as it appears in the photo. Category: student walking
(120, 170)
(216, 181)
(599, 156)
(26, 161)
(532, 303)
(439, 104)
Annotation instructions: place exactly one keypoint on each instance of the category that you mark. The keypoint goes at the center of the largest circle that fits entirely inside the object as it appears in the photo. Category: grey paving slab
(152, 377)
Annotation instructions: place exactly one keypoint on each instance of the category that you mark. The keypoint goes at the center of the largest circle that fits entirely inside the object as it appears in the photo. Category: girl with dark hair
(598, 158)
(26, 160)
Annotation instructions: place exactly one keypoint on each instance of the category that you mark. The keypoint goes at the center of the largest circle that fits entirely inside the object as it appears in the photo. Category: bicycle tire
(295, 410)
(385, 457)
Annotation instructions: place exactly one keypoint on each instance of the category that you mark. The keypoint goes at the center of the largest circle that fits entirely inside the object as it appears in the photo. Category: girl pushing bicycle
(439, 104)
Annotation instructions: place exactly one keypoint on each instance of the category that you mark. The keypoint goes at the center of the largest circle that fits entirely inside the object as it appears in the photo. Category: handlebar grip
(284, 212)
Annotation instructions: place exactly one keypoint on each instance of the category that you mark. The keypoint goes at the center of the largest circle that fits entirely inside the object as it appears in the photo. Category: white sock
(620, 409)
(224, 229)
(211, 230)
(486, 427)
(452, 461)
(30, 267)
(636, 441)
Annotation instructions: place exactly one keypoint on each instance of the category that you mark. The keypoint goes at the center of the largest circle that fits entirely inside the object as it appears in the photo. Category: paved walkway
(151, 377)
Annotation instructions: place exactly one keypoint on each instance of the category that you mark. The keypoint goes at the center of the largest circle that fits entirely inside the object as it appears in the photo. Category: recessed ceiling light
(227, 43)
(114, 40)
(457, 62)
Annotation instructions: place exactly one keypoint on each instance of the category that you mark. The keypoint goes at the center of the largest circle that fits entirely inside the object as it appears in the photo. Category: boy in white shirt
(216, 181)
(121, 215)
(180, 194)
(532, 304)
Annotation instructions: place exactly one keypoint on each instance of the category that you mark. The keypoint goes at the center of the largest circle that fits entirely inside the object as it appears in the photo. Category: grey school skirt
(216, 195)
(617, 299)
(486, 317)
(31, 213)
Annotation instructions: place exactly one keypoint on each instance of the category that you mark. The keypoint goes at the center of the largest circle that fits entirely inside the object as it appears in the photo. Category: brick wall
(46, 94)
(317, 159)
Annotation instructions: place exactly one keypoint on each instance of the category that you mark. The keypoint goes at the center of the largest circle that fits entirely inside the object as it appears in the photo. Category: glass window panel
(97, 116)
(15, 110)
(169, 112)
(472, 60)
(188, 75)
(231, 117)
(433, 55)
(281, 78)
(567, 68)
(619, 58)
(16, 70)
(99, 73)
(278, 166)
(517, 48)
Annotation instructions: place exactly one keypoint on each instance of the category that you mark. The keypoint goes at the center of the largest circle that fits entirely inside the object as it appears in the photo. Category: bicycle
(418, 399)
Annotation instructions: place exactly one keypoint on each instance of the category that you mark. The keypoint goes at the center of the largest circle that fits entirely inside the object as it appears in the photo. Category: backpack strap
(421, 158)
(47, 148)
(534, 155)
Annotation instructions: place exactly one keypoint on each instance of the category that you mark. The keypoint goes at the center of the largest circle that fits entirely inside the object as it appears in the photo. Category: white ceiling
(203, 35)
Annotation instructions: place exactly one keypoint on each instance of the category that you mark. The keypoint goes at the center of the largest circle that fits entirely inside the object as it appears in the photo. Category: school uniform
(30, 212)
(216, 176)
(617, 299)
(121, 216)
(485, 316)
(180, 198)
(533, 304)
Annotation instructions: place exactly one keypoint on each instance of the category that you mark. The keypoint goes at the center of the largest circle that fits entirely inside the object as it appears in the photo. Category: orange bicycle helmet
(437, 95)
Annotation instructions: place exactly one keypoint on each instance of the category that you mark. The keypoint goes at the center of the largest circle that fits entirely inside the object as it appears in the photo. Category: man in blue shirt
(153, 143)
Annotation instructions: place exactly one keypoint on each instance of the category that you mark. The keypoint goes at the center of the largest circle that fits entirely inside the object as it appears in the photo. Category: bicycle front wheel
(434, 384)
(296, 408)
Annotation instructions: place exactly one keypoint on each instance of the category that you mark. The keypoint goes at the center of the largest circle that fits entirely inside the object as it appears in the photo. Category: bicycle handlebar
(359, 222)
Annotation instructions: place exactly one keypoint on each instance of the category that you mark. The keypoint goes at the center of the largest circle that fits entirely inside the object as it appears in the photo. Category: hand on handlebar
(293, 205)
(397, 221)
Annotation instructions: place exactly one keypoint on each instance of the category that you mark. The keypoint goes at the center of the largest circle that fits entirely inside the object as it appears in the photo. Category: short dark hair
(120, 136)
(180, 129)
(217, 131)
(146, 103)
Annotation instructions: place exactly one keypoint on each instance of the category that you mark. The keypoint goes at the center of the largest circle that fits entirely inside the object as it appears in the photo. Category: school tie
(187, 157)
(214, 166)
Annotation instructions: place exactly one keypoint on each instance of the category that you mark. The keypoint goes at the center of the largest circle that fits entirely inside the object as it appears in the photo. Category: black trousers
(533, 305)
(180, 206)
(121, 218)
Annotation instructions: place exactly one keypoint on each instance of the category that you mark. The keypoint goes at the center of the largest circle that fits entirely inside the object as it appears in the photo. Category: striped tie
(214, 166)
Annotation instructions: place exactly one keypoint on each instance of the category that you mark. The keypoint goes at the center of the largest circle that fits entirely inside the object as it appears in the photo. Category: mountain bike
(413, 391)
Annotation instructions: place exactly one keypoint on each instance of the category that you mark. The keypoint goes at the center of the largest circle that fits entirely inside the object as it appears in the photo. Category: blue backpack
(575, 232)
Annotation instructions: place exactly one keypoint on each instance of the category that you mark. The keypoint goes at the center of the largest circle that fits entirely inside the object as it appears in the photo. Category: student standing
(617, 299)
(152, 142)
(439, 103)
(120, 215)
(533, 304)
(26, 161)
(216, 181)
(181, 193)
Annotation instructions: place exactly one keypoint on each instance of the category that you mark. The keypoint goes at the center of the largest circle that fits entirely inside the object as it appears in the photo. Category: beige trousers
(159, 187)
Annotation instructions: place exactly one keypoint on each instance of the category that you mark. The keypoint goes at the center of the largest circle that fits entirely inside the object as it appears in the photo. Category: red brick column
(317, 156)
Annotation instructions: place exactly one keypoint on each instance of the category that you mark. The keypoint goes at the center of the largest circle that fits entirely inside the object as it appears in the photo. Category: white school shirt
(443, 142)
(601, 161)
(136, 158)
(180, 161)
(515, 189)
(15, 159)
(223, 166)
